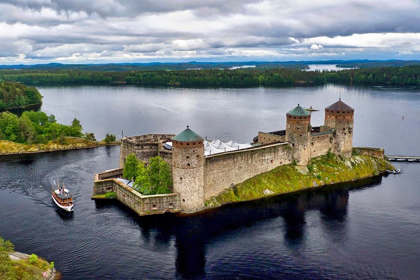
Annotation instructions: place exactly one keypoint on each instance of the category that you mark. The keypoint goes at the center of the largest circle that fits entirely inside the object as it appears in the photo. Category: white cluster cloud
(99, 31)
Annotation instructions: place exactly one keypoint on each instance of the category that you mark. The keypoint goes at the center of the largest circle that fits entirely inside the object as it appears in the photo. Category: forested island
(405, 75)
(15, 95)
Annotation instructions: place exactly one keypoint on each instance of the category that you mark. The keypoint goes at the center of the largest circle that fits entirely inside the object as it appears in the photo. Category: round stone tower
(188, 169)
(339, 117)
(298, 131)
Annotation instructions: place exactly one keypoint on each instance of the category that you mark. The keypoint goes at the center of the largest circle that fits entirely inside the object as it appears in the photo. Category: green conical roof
(298, 112)
(187, 136)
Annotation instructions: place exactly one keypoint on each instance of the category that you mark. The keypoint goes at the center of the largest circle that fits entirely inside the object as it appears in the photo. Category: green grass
(323, 170)
(109, 195)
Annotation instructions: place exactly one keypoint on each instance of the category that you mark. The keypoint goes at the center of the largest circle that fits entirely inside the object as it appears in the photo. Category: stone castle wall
(298, 134)
(221, 171)
(143, 146)
(320, 143)
(166, 155)
(342, 123)
(267, 138)
(141, 204)
(187, 173)
(367, 151)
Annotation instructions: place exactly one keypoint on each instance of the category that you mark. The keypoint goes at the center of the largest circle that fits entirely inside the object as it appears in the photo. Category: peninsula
(211, 173)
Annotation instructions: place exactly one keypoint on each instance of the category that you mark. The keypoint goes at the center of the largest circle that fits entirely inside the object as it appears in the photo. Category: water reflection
(193, 234)
(65, 216)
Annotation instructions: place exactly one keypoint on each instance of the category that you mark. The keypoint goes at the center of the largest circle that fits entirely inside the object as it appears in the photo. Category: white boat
(62, 198)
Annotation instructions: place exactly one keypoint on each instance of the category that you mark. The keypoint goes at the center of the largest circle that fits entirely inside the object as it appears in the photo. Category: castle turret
(188, 169)
(339, 117)
(298, 129)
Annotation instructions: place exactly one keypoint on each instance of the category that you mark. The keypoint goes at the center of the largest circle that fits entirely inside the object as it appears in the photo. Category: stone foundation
(141, 204)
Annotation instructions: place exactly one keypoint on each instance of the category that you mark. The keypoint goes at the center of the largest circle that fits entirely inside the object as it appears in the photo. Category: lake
(326, 67)
(360, 230)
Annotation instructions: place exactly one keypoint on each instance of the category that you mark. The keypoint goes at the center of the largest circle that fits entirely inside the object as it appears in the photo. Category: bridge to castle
(404, 158)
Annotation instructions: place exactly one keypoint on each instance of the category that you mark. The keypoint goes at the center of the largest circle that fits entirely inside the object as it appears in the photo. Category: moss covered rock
(324, 170)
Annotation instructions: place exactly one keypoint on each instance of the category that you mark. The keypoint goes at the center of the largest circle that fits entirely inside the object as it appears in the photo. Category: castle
(198, 175)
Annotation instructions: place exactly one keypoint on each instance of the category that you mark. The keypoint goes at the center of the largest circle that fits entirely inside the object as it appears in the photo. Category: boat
(62, 197)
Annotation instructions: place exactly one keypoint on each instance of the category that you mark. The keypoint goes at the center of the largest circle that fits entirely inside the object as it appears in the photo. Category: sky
(135, 31)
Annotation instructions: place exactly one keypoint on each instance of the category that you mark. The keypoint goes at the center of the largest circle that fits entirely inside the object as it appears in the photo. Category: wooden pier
(404, 158)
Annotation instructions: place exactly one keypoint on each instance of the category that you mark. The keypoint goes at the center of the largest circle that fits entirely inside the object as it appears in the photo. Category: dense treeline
(407, 75)
(17, 95)
(36, 127)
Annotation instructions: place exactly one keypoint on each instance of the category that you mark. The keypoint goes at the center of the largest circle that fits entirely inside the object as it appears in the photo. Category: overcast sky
(102, 31)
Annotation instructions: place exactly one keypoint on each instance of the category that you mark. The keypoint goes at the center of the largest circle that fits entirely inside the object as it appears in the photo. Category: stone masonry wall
(367, 151)
(227, 169)
(108, 174)
(143, 146)
(143, 151)
(187, 173)
(166, 156)
(267, 138)
(141, 204)
(320, 144)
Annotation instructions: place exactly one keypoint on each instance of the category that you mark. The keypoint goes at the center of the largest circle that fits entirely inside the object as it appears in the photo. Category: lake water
(363, 230)
(325, 67)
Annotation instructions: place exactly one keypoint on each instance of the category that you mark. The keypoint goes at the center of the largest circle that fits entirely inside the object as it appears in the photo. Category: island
(208, 174)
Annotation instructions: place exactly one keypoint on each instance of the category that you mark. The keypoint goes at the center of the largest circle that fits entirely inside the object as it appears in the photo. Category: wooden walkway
(404, 158)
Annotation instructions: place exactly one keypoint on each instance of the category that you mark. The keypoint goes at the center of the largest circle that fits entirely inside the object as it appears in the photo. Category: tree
(142, 182)
(130, 167)
(51, 119)
(110, 138)
(160, 175)
(26, 130)
(76, 123)
(155, 178)
(89, 136)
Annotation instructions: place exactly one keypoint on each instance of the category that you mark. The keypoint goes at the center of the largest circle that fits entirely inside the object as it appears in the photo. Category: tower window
(188, 157)
(188, 164)
(180, 178)
(188, 144)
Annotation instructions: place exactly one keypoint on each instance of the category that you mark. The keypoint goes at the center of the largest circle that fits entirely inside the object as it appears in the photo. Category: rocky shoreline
(52, 273)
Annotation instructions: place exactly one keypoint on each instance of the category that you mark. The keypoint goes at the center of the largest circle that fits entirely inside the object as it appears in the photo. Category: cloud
(316, 47)
(130, 30)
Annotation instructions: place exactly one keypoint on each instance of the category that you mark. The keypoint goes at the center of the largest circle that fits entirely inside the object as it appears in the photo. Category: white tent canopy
(217, 146)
